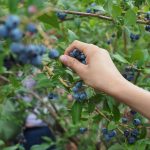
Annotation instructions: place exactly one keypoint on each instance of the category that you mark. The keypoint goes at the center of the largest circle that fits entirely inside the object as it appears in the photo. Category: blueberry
(23, 58)
(12, 21)
(36, 61)
(52, 96)
(17, 48)
(78, 84)
(42, 49)
(75, 89)
(93, 4)
(31, 28)
(134, 133)
(137, 37)
(134, 37)
(147, 28)
(82, 57)
(126, 133)
(75, 53)
(107, 137)
(83, 96)
(109, 42)
(53, 54)
(3, 31)
(124, 120)
(83, 130)
(31, 50)
(113, 35)
(131, 140)
(76, 96)
(136, 122)
(89, 10)
(133, 112)
(104, 131)
(112, 133)
(61, 15)
(16, 34)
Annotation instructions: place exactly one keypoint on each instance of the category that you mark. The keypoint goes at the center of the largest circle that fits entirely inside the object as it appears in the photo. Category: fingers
(83, 47)
(73, 63)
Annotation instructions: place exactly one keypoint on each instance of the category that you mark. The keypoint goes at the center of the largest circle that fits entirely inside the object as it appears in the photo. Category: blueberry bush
(34, 33)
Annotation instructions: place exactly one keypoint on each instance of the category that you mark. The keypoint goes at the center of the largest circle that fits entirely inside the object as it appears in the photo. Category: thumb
(73, 63)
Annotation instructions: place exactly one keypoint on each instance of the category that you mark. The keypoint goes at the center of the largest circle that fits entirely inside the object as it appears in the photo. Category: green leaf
(116, 147)
(130, 17)
(137, 55)
(116, 113)
(91, 106)
(11, 147)
(13, 4)
(116, 11)
(50, 19)
(119, 58)
(40, 147)
(97, 118)
(2, 143)
(72, 36)
(76, 112)
(112, 125)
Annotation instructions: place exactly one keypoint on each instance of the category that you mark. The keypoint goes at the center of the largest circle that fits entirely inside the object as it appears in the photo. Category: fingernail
(63, 58)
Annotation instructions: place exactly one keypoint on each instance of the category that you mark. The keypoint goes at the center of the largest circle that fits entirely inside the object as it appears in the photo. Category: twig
(125, 41)
(4, 78)
(102, 114)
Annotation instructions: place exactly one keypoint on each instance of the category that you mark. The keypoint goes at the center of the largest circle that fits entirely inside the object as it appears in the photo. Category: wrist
(120, 86)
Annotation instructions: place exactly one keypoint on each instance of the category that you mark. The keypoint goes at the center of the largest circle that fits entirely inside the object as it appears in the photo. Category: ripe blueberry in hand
(78, 55)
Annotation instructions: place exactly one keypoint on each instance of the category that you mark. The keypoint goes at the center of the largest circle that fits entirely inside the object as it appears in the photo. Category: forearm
(133, 96)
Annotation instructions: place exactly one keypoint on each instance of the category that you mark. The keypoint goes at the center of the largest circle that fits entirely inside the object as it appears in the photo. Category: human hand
(99, 72)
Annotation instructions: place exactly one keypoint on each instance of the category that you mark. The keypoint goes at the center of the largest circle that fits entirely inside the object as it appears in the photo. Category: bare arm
(101, 74)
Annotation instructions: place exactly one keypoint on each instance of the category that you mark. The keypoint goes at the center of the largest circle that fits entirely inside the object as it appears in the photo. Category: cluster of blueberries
(92, 9)
(78, 94)
(78, 55)
(132, 135)
(129, 73)
(111, 39)
(134, 37)
(26, 54)
(10, 29)
(108, 135)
